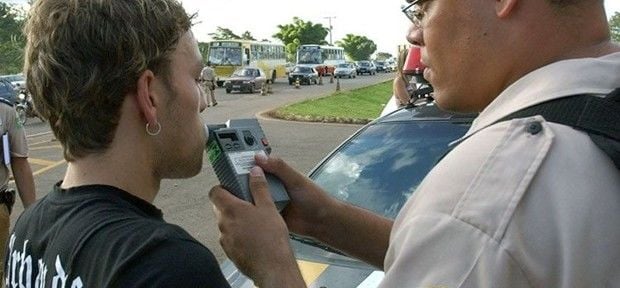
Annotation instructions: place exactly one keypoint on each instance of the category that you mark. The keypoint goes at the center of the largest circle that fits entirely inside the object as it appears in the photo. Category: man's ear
(504, 8)
(147, 101)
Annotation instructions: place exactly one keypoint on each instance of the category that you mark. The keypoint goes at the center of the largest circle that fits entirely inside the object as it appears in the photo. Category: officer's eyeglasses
(414, 12)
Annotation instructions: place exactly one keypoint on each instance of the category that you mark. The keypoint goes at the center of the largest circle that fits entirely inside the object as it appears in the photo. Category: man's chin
(195, 167)
(453, 107)
(449, 103)
(187, 169)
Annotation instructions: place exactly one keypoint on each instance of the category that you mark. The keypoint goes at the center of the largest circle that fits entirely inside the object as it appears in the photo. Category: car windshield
(309, 56)
(244, 72)
(302, 69)
(225, 56)
(379, 169)
(363, 64)
(343, 65)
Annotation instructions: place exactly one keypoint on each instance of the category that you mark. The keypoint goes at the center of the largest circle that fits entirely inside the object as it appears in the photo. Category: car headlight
(248, 82)
(21, 96)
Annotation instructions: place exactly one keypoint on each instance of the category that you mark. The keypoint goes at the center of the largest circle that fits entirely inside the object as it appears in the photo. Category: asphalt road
(185, 202)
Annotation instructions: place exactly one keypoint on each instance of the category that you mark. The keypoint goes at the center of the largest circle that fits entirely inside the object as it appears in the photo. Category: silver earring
(155, 133)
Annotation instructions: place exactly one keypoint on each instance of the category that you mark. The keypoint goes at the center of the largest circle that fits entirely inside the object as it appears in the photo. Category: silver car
(378, 168)
(345, 70)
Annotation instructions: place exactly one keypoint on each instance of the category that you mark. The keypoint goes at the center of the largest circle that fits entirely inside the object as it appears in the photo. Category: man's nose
(415, 35)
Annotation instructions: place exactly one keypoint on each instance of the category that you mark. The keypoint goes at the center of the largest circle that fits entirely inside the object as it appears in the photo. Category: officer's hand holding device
(231, 148)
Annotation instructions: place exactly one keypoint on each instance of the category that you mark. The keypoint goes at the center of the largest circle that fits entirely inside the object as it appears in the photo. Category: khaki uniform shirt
(18, 146)
(513, 208)
(207, 74)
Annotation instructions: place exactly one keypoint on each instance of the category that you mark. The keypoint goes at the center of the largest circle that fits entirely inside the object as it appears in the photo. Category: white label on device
(243, 161)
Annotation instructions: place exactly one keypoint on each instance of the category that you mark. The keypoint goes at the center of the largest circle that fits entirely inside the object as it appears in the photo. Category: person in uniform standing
(15, 147)
(207, 76)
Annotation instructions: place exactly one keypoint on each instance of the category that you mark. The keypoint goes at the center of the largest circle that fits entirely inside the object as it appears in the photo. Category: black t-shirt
(101, 236)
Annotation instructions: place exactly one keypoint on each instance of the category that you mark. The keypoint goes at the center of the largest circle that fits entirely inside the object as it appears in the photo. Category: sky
(381, 22)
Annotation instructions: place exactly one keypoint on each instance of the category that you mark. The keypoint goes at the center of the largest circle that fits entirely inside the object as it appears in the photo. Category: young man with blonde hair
(119, 82)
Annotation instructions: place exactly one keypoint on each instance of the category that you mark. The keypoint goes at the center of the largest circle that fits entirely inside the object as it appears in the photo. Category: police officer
(207, 75)
(520, 203)
(14, 146)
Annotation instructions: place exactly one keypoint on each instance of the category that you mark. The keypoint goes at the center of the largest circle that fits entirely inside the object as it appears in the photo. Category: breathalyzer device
(231, 148)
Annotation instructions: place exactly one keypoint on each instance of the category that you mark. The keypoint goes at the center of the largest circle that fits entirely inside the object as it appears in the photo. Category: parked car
(17, 80)
(345, 70)
(380, 65)
(378, 168)
(305, 74)
(7, 91)
(390, 65)
(245, 79)
(364, 67)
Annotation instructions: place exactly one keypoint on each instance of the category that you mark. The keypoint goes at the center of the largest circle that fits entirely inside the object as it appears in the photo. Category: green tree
(247, 36)
(383, 55)
(204, 49)
(301, 32)
(12, 40)
(357, 47)
(614, 26)
(222, 33)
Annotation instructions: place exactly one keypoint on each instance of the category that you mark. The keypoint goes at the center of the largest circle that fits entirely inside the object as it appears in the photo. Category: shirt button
(534, 128)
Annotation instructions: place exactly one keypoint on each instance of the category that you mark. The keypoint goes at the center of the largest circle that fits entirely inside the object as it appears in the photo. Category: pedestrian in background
(15, 147)
(520, 203)
(125, 104)
(207, 76)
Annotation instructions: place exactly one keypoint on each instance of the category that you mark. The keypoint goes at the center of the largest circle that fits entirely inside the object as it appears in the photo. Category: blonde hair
(83, 56)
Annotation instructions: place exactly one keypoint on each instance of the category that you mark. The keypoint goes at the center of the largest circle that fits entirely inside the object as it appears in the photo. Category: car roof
(428, 111)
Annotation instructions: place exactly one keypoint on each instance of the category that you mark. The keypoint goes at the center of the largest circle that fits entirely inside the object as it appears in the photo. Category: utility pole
(330, 27)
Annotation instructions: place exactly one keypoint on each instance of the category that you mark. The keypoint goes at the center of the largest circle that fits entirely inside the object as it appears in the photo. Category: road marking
(56, 164)
(38, 134)
(43, 147)
(35, 173)
(42, 162)
(310, 271)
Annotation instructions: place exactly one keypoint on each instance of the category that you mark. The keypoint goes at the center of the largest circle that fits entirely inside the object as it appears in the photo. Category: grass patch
(357, 106)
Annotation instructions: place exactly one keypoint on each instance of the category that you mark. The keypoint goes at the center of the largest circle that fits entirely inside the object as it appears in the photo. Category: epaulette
(597, 116)
(6, 101)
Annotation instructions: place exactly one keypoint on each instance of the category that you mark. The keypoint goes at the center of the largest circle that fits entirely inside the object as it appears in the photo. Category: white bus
(321, 57)
(225, 56)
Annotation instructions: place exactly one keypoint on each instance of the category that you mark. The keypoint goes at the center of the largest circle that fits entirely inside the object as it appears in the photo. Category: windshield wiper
(316, 244)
